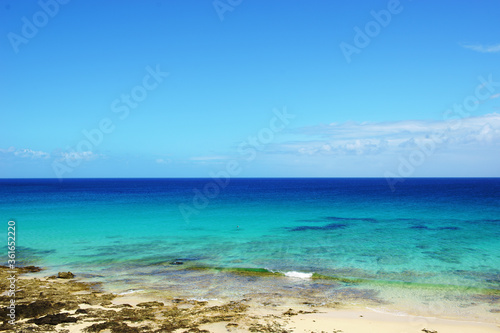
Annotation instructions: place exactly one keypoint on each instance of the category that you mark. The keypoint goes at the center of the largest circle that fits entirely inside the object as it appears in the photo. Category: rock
(152, 304)
(65, 275)
(290, 312)
(425, 330)
(31, 269)
(121, 306)
(53, 319)
(112, 326)
(35, 309)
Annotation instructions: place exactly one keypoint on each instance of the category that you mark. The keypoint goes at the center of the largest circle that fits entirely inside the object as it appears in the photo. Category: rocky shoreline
(63, 304)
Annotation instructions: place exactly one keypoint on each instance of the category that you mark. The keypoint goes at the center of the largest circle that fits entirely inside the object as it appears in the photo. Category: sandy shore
(364, 320)
(305, 319)
(63, 304)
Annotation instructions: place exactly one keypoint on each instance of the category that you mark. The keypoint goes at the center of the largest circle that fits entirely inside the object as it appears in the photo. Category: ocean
(429, 247)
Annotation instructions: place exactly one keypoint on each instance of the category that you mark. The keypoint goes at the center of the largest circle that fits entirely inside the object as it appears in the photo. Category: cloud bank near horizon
(329, 145)
(352, 138)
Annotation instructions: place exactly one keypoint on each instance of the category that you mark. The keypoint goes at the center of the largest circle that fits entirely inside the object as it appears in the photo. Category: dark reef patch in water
(448, 228)
(364, 219)
(26, 256)
(331, 226)
(28, 251)
(490, 220)
(420, 226)
(338, 219)
(424, 227)
(443, 255)
(405, 219)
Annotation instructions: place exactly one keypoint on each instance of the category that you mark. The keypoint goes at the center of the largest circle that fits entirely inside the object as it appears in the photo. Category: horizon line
(305, 177)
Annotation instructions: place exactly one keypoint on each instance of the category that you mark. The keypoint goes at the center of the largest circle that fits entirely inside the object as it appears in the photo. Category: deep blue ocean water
(429, 232)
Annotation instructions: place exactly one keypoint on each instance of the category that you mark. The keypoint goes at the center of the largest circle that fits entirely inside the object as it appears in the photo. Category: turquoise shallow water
(429, 233)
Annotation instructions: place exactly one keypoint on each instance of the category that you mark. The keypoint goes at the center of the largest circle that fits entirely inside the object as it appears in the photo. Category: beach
(65, 304)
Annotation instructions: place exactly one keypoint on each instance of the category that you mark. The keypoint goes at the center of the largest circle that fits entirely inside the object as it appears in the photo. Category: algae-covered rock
(112, 326)
(150, 304)
(65, 275)
(54, 319)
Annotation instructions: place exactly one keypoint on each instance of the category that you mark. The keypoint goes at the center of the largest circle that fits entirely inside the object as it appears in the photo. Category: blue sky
(263, 88)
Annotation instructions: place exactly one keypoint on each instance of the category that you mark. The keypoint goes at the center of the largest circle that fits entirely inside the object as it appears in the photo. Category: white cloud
(61, 156)
(374, 138)
(482, 48)
(84, 155)
(25, 153)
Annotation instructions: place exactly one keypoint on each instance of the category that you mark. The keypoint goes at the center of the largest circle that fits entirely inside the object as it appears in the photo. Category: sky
(240, 88)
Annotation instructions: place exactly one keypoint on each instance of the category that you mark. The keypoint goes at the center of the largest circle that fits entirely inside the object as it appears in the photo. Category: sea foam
(299, 275)
(130, 291)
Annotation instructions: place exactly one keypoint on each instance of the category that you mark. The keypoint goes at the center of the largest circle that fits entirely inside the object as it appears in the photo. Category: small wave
(131, 291)
(299, 275)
